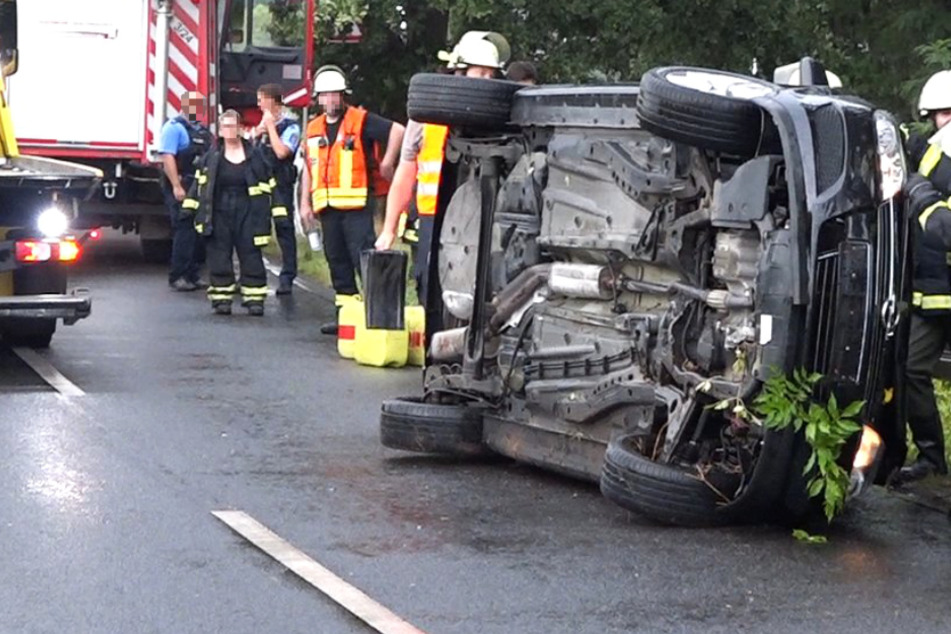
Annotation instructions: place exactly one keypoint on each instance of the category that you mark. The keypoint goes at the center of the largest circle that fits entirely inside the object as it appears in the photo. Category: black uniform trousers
(286, 239)
(347, 234)
(186, 247)
(926, 342)
(233, 230)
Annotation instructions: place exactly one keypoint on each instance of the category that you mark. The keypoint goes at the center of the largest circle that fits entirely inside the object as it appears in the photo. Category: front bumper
(70, 308)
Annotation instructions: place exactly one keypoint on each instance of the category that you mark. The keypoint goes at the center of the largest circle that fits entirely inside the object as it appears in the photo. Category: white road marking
(48, 373)
(349, 597)
(276, 272)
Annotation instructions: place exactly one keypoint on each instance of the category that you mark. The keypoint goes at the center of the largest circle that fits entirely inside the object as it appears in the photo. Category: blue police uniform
(286, 175)
(187, 142)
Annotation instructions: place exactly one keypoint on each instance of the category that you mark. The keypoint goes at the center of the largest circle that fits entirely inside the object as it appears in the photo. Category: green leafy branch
(788, 402)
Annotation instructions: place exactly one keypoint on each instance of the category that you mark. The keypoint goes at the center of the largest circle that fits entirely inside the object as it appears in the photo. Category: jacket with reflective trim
(263, 193)
(429, 161)
(929, 161)
(932, 275)
(338, 169)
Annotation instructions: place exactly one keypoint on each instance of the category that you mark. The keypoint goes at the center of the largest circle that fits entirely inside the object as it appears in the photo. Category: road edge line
(47, 372)
(349, 597)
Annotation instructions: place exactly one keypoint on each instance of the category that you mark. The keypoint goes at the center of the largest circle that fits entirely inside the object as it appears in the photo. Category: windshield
(262, 23)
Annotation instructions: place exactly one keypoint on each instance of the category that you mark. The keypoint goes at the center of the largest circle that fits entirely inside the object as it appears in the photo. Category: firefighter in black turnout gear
(928, 194)
(231, 205)
(280, 137)
(182, 143)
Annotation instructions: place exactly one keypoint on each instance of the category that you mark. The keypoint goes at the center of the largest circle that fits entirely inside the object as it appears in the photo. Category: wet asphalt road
(105, 502)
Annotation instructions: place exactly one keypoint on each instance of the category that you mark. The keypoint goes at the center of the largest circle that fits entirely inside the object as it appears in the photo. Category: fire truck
(99, 78)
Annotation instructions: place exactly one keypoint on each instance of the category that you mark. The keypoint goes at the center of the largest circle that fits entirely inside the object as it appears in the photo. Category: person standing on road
(479, 54)
(230, 205)
(280, 137)
(183, 141)
(930, 329)
(932, 157)
(336, 180)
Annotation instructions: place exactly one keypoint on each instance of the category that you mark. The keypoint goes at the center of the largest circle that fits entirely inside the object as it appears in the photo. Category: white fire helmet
(478, 48)
(936, 94)
(330, 79)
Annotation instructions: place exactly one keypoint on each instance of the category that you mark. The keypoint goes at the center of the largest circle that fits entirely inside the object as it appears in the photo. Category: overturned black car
(614, 260)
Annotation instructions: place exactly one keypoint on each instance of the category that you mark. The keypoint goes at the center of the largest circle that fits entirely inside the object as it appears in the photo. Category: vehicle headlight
(891, 155)
(52, 223)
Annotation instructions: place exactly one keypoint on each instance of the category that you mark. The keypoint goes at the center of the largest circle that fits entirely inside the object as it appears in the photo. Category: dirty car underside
(621, 258)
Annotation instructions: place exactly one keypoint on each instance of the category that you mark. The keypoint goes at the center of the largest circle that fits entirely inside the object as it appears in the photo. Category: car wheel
(458, 101)
(156, 251)
(409, 424)
(708, 109)
(664, 493)
(29, 333)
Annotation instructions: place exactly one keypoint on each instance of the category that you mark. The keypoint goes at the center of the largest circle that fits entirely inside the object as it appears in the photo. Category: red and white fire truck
(99, 78)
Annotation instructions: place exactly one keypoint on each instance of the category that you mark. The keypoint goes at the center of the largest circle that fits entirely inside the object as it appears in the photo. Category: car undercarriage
(616, 261)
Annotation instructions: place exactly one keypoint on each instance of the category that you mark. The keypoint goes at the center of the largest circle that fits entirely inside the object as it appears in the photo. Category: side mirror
(236, 36)
(9, 56)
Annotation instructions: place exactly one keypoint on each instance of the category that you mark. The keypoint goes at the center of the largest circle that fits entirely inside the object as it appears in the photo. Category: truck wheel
(708, 109)
(458, 101)
(409, 424)
(29, 333)
(664, 493)
(156, 251)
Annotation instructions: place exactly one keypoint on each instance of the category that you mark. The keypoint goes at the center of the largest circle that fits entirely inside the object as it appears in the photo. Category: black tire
(409, 424)
(459, 101)
(156, 251)
(662, 492)
(29, 333)
(707, 120)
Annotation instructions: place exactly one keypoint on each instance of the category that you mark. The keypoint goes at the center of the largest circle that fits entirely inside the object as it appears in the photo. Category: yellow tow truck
(39, 197)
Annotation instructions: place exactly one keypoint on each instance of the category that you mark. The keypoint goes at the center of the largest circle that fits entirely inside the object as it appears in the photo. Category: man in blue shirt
(182, 142)
(280, 136)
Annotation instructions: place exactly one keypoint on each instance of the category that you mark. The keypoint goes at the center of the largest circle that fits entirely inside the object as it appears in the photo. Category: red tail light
(34, 251)
(46, 250)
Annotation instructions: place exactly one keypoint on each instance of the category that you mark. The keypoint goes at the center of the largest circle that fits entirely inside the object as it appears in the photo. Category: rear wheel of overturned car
(459, 101)
(409, 424)
(665, 493)
(708, 109)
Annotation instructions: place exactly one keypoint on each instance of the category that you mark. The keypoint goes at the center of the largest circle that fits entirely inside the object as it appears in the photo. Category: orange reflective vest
(338, 169)
(429, 167)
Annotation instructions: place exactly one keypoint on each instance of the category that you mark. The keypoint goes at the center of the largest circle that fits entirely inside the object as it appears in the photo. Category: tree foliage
(882, 49)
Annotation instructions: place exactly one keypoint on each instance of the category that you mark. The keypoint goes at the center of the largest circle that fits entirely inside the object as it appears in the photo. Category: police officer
(230, 205)
(182, 142)
(479, 54)
(336, 180)
(930, 329)
(280, 137)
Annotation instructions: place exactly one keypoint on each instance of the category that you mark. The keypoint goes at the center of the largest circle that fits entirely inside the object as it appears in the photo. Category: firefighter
(280, 137)
(932, 157)
(183, 141)
(230, 205)
(479, 54)
(337, 178)
(930, 329)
